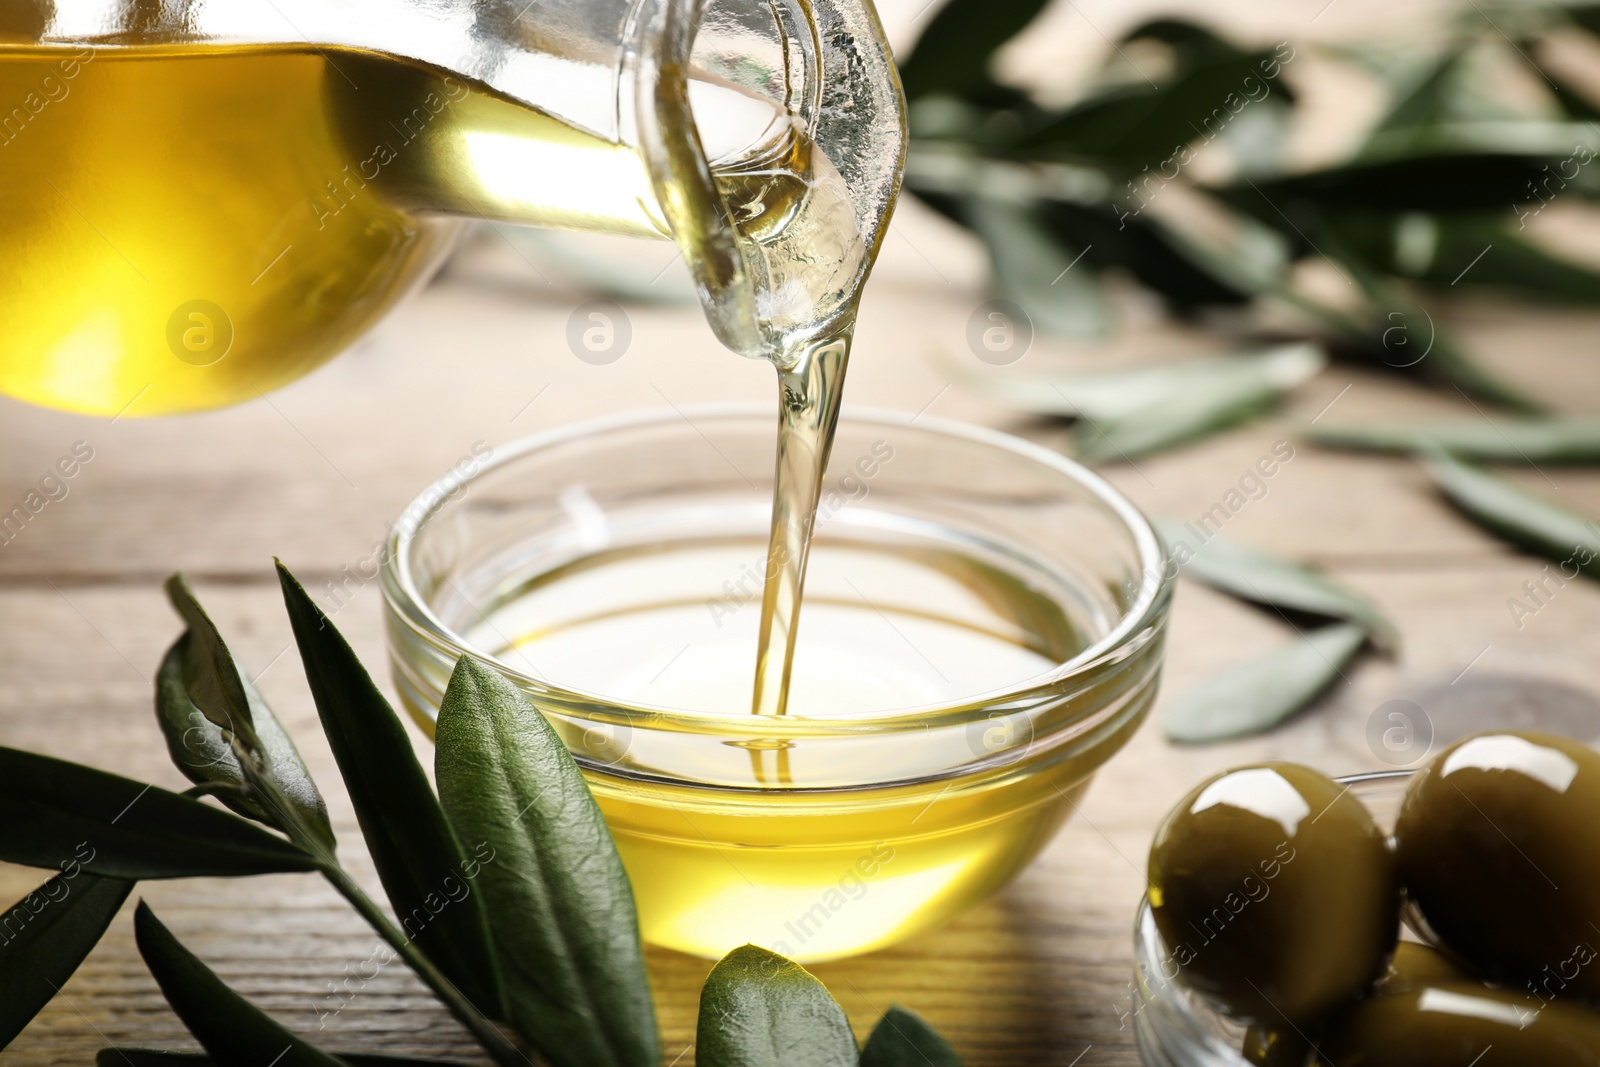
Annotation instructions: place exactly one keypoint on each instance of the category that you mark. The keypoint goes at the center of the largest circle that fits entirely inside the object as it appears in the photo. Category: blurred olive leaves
(1572, 440)
(1451, 450)
(1261, 693)
(1122, 415)
(1436, 199)
(1518, 516)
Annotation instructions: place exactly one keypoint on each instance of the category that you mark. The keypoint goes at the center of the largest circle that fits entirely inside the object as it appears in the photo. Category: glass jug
(208, 199)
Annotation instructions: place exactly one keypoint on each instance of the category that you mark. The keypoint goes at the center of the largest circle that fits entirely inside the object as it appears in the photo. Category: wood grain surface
(1038, 975)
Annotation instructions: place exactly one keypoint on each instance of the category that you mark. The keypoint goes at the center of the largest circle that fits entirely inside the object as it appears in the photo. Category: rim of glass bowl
(1173, 1023)
(1155, 582)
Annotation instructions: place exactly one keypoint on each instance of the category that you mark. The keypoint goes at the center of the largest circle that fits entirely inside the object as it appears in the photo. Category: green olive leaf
(45, 935)
(1045, 279)
(758, 1009)
(952, 54)
(1262, 693)
(154, 1057)
(127, 829)
(419, 859)
(1434, 98)
(1136, 124)
(1230, 392)
(1190, 273)
(1515, 515)
(1456, 252)
(227, 1026)
(566, 927)
(202, 750)
(1251, 574)
(210, 675)
(1408, 336)
(1529, 440)
(902, 1039)
(1109, 396)
(1217, 405)
(1452, 181)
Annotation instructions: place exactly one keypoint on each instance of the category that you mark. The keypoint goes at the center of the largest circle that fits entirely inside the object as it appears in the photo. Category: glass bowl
(1177, 1027)
(983, 629)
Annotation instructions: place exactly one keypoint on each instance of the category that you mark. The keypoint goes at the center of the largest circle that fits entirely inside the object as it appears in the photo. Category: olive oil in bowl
(973, 651)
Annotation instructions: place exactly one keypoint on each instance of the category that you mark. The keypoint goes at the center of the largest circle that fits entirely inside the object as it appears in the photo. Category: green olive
(1275, 893)
(1498, 845)
(1456, 1025)
(1274, 1048)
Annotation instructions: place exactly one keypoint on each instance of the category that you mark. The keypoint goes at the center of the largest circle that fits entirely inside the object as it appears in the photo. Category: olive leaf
(131, 830)
(1528, 440)
(47, 934)
(1447, 181)
(1515, 515)
(1146, 409)
(1036, 272)
(204, 751)
(1175, 421)
(902, 1039)
(758, 1009)
(1502, 138)
(952, 54)
(1250, 574)
(1231, 392)
(1410, 337)
(227, 1026)
(1118, 236)
(210, 675)
(567, 930)
(1139, 124)
(1432, 100)
(1456, 251)
(1112, 395)
(1262, 693)
(417, 854)
(154, 1057)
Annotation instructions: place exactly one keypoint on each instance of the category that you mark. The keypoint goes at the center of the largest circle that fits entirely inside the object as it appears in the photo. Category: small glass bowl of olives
(1272, 932)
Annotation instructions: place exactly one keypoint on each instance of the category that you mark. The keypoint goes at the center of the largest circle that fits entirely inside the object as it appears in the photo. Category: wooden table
(1039, 975)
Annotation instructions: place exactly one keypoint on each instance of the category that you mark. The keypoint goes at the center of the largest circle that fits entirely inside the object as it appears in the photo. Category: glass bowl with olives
(1440, 918)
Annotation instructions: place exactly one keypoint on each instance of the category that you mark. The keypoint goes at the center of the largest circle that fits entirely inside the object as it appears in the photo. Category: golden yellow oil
(792, 831)
(191, 225)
